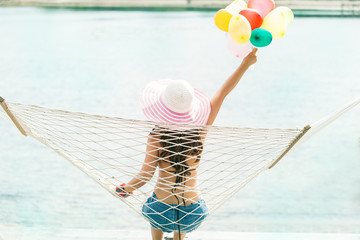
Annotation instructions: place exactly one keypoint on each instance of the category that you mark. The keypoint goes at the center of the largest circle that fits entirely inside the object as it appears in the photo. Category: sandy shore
(17, 233)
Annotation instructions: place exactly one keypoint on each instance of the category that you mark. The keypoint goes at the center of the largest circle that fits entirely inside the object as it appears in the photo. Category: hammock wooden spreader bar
(12, 117)
(306, 128)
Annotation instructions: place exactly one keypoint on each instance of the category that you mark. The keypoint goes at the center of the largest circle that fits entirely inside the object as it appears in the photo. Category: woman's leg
(176, 236)
(156, 234)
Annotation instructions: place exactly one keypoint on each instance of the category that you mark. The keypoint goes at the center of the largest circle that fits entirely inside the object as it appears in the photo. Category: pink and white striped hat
(175, 101)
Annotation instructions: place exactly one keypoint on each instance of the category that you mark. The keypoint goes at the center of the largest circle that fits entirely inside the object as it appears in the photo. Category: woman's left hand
(251, 58)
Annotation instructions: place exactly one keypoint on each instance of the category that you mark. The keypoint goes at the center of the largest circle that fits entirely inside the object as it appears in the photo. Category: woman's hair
(176, 146)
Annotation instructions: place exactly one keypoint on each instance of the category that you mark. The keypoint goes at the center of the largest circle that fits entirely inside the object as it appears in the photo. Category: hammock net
(111, 151)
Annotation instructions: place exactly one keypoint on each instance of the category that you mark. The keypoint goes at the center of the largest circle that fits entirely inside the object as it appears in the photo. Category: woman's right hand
(121, 192)
(251, 58)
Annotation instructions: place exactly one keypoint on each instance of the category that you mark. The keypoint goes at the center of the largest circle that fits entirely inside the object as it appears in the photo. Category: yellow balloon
(222, 19)
(289, 15)
(275, 23)
(236, 6)
(239, 29)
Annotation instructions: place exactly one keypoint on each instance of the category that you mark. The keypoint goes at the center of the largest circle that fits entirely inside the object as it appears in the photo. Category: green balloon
(260, 37)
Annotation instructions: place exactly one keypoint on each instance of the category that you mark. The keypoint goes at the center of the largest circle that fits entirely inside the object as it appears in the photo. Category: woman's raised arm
(229, 85)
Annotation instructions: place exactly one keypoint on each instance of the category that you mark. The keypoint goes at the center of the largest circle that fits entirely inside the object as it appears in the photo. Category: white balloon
(239, 50)
(236, 6)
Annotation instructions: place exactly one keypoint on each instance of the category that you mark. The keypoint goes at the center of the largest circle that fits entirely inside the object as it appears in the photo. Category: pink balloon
(263, 6)
(239, 50)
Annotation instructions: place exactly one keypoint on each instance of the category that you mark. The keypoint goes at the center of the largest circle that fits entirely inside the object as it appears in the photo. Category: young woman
(176, 204)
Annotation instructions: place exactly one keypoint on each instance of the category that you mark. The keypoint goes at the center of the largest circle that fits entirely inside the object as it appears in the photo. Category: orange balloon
(253, 16)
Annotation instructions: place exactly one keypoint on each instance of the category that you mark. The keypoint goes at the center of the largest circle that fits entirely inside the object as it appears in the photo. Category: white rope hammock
(111, 151)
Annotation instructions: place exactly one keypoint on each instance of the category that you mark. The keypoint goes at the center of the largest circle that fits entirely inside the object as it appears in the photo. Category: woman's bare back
(168, 191)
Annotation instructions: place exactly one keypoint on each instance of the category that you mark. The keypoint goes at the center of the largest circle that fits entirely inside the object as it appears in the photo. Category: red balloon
(263, 6)
(253, 16)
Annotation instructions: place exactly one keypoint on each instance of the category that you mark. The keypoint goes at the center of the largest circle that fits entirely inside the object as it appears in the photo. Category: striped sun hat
(175, 101)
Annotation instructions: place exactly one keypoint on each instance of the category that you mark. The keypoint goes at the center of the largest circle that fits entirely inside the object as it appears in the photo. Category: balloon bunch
(252, 25)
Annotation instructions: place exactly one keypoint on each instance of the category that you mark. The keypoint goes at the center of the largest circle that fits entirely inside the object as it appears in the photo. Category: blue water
(97, 62)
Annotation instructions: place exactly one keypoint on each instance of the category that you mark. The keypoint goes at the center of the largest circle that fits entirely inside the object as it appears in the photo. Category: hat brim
(155, 110)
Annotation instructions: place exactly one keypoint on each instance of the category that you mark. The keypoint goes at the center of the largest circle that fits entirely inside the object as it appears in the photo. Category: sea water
(98, 61)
